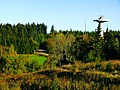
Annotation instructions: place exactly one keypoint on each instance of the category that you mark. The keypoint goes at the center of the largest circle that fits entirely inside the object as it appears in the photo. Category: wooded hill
(62, 45)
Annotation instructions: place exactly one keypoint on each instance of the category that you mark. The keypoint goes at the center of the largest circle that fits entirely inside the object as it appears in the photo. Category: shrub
(98, 66)
(109, 67)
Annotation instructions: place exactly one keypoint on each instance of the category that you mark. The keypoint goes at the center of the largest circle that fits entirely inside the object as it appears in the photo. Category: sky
(63, 14)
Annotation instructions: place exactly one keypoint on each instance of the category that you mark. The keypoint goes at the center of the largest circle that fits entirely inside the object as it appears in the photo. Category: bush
(109, 67)
(32, 66)
(91, 56)
(98, 66)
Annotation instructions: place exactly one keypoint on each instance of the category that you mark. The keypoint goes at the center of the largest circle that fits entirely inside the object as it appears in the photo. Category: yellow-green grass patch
(40, 59)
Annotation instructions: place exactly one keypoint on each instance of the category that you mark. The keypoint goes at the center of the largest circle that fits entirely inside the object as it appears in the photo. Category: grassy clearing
(39, 59)
(32, 57)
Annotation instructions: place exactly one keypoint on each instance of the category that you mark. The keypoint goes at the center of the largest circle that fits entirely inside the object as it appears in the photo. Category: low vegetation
(13, 63)
(78, 76)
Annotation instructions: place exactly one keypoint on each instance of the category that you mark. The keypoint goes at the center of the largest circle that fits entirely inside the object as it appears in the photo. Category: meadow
(32, 57)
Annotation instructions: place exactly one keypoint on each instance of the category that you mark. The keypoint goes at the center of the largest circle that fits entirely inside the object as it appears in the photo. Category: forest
(83, 60)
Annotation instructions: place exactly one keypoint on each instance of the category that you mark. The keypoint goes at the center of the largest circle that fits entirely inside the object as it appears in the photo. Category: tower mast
(85, 27)
(101, 21)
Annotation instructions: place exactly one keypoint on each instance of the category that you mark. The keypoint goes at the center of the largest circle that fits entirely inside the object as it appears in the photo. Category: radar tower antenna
(100, 21)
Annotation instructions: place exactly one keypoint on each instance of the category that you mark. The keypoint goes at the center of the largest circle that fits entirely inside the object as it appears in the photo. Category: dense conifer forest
(25, 38)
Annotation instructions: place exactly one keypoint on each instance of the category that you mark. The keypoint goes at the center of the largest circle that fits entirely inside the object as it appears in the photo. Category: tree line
(62, 45)
(25, 38)
(84, 46)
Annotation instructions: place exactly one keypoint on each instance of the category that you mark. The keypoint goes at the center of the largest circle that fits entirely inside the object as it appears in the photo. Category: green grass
(39, 59)
(32, 57)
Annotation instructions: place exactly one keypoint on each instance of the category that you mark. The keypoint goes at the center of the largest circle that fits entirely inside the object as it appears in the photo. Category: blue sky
(63, 14)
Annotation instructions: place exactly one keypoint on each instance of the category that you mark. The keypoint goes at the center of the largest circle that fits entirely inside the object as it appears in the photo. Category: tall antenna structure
(85, 27)
(100, 21)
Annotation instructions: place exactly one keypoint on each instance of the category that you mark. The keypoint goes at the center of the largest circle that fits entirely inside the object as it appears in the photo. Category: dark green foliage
(32, 66)
(25, 38)
(98, 65)
(109, 67)
(52, 29)
(90, 47)
(82, 48)
(112, 45)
